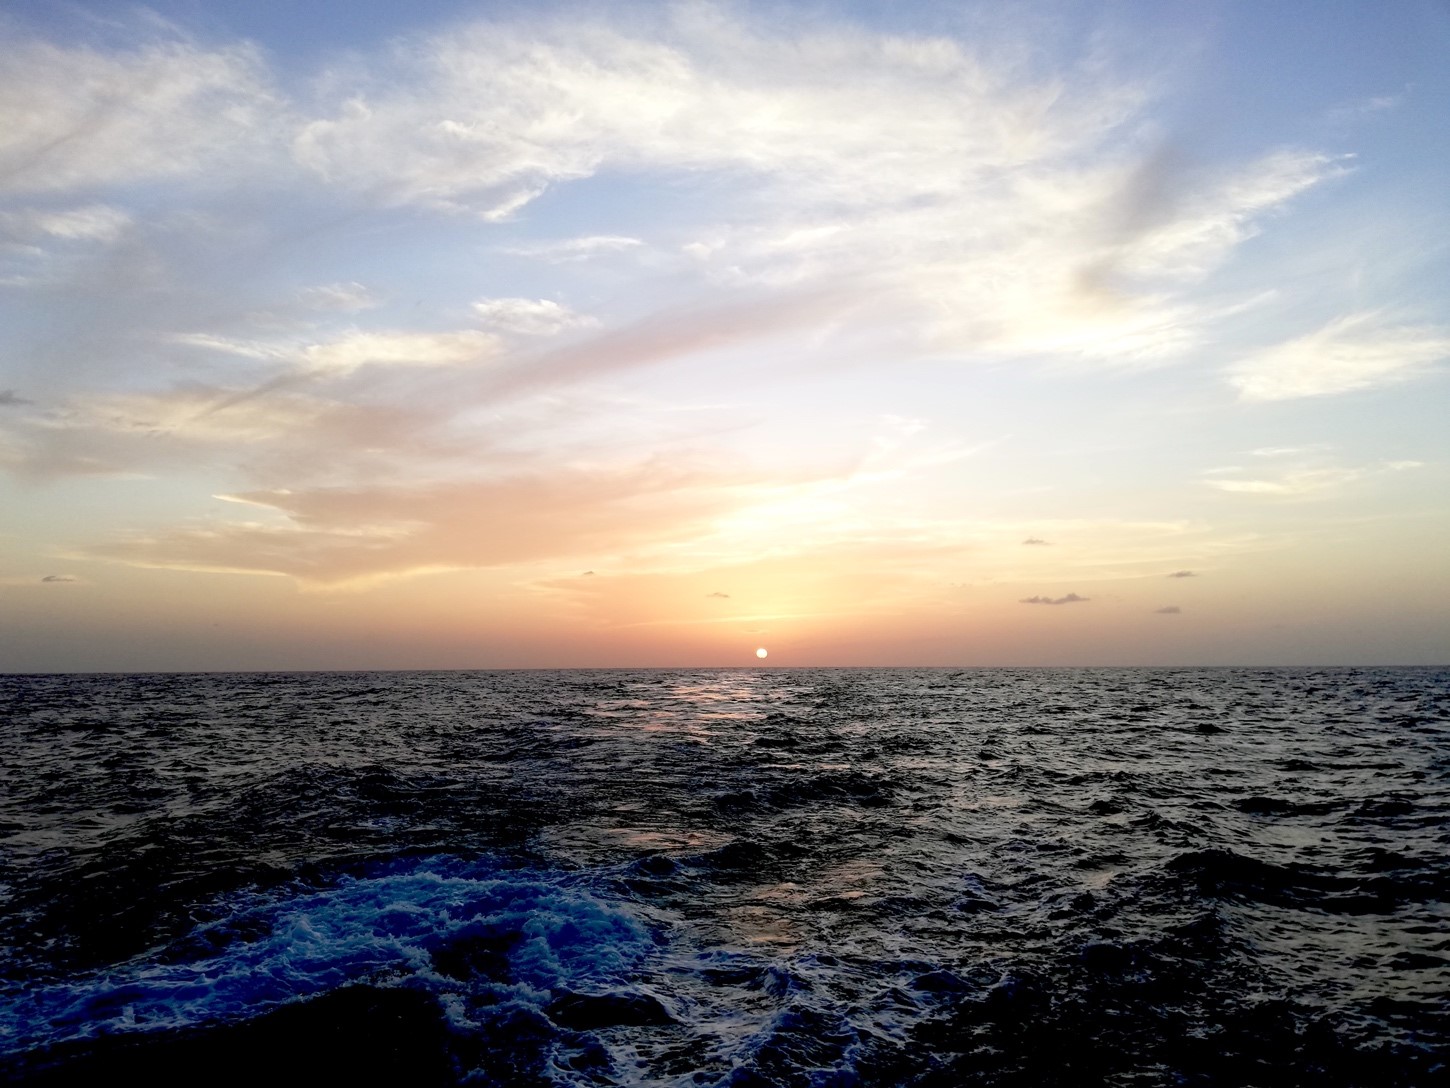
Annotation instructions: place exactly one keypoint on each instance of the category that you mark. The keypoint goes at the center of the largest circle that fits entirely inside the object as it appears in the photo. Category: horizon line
(681, 668)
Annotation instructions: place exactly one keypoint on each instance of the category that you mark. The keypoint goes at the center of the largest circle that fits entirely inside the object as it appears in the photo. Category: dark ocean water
(743, 877)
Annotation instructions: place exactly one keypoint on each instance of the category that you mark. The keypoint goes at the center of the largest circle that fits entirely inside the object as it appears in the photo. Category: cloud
(991, 220)
(42, 247)
(1305, 480)
(10, 399)
(1168, 610)
(340, 297)
(1184, 227)
(1183, 574)
(528, 317)
(491, 114)
(352, 349)
(90, 223)
(1359, 351)
(738, 317)
(1071, 598)
(569, 250)
(993, 210)
(60, 578)
(338, 536)
(1287, 451)
(361, 348)
(276, 433)
(492, 507)
(1366, 107)
(80, 118)
(723, 596)
(1035, 540)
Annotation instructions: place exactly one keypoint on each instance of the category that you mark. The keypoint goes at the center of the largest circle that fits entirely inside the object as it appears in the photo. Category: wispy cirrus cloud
(1358, 351)
(1025, 201)
(357, 536)
(493, 113)
(659, 513)
(1302, 480)
(340, 297)
(1287, 451)
(279, 433)
(352, 349)
(80, 117)
(86, 223)
(571, 250)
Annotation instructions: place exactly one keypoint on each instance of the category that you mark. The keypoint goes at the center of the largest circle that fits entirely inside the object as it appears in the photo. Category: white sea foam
(382, 928)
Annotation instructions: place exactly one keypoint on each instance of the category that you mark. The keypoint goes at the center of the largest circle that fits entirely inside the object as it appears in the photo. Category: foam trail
(392, 927)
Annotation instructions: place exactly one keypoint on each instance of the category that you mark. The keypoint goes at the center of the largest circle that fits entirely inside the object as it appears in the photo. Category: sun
(761, 652)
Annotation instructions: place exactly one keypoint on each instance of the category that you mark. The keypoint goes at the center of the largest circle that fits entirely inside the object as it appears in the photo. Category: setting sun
(761, 652)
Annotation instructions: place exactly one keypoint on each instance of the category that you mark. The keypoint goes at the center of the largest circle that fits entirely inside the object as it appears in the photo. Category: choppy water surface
(744, 877)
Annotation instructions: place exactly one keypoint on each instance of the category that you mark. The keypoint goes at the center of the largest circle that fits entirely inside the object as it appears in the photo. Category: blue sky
(488, 335)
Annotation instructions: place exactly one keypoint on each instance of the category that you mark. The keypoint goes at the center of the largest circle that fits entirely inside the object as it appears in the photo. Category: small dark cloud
(1168, 610)
(11, 399)
(1036, 540)
(587, 574)
(1183, 574)
(60, 578)
(717, 593)
(1071, 598)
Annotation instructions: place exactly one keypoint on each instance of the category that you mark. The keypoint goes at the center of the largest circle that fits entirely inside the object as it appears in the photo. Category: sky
(496, 335)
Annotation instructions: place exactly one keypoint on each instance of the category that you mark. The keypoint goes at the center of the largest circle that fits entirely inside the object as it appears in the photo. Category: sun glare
(761, 652)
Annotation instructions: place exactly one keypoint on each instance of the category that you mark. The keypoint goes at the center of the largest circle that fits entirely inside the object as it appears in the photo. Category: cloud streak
(1305, 480)
(1356, 352)
(358, 536)
(79, 118)
(528, 317)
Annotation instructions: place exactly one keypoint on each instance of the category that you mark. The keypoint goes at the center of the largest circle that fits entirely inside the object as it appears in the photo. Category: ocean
(745, 877)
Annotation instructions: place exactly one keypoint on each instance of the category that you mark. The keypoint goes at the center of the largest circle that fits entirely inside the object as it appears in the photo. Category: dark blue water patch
(483, 942)
(423, 921)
